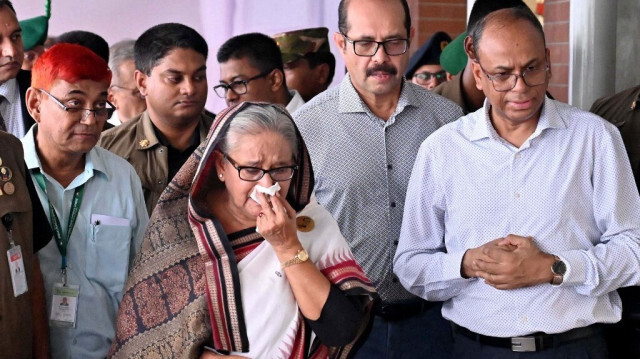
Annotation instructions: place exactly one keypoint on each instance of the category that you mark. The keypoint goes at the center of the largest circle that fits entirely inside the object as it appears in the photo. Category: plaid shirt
(362, 165)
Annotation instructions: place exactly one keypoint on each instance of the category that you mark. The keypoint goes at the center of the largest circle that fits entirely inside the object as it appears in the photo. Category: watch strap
(300, 257)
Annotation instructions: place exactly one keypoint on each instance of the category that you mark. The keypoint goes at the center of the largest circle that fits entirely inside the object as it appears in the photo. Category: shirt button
(517, 195)
(517, 155)
(159, 181)
(393, 205)
(389, 167)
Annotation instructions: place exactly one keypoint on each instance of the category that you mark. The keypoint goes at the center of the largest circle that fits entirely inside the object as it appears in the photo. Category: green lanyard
(61, 241)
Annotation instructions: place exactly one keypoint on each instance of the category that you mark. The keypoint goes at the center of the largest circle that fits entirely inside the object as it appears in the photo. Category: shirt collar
(482, 128)
(93, 160)
(9, 90)
(350, 100)
(296, 101)
(146, 134)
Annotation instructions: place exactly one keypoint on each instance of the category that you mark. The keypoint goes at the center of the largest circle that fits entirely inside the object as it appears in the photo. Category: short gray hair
(120, 52)
(257, 119)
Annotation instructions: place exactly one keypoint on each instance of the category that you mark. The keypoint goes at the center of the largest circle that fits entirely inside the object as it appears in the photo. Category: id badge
(16, 268)
(64, 305)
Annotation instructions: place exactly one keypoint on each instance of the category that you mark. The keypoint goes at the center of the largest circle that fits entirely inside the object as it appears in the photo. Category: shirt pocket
(107, 261)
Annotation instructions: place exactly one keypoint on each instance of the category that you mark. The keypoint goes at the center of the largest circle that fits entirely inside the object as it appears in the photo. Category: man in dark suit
(13, 81)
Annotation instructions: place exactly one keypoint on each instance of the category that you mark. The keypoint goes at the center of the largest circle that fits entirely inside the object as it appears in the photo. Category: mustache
(388, 68)
(6, 60)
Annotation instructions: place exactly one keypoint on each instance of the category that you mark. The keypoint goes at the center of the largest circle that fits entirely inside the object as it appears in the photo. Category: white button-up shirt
(569, 186)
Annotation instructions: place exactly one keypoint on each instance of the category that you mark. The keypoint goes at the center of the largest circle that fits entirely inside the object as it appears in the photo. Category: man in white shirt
(14, 117)
(93, 199)
(123, 92)
(251, 69)
(521, 216)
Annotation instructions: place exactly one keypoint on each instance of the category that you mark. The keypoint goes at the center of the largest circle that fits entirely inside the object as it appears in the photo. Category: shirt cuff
(576, 273)
(452, 265)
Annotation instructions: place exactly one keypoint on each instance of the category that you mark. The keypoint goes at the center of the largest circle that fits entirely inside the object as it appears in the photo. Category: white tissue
(271, 191)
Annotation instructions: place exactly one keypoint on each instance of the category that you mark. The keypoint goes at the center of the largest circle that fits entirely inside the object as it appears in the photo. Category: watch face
(559, 267)
(303, 255)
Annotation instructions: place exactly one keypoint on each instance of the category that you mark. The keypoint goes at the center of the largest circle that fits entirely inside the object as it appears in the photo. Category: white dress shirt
(11, 108)
(569, 186)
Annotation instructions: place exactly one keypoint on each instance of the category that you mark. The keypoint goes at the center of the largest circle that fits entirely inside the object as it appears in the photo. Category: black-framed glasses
(425, 76)
(134, 92)
(99, 113)
(253, 174)
(506, 82)
(369, 48)
(239, 87)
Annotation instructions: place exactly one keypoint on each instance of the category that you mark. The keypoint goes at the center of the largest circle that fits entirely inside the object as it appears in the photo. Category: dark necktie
(3, 127)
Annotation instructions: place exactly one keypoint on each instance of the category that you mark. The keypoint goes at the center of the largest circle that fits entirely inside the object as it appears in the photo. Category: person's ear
(548, 54)
(340, 41)
(141, 81)
(33, 100)
(468, 47)
(322, 74)
(477, 74)
(218, 161)
(277, 79)
(412, 33)
(112, 98)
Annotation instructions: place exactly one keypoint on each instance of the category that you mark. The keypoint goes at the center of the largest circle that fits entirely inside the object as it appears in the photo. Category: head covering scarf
(184, 280)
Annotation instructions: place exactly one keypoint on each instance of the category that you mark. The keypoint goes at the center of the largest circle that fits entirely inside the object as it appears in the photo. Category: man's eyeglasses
(134, 92)
(369, 48)
(426, 76)
(253, 174)
(99, 113)
(239, 87)
(506, 82)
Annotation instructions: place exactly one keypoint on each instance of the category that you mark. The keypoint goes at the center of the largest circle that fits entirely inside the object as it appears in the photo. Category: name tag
(64, 305)
(16, 268)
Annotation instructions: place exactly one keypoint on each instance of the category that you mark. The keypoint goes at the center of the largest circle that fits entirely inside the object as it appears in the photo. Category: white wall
(216, 20)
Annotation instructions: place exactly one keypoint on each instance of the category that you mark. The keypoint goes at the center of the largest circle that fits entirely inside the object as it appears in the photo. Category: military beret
(428, 53)
(298, 43)
(35, 30)
(453, 58)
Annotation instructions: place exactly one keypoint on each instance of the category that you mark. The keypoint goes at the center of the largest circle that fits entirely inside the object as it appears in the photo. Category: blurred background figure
(34, 34)
(90, 40)
(123, 92)
(424, 66)
(309, 65)
(251, 69)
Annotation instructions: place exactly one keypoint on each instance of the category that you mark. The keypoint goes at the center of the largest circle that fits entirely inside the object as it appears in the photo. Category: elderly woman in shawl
(238, 260)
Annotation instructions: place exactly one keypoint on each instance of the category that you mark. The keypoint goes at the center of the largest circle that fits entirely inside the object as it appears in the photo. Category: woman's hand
(277, 222)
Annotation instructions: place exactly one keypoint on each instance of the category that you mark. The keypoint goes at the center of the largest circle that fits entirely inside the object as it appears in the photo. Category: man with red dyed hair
(93, 199)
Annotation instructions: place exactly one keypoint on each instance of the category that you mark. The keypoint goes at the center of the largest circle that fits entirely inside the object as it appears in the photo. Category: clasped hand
(508, 263)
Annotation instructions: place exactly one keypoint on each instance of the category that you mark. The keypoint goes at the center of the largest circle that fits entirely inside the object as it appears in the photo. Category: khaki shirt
(452, 90)
(623, 110)
(15, 312)
(136, 142)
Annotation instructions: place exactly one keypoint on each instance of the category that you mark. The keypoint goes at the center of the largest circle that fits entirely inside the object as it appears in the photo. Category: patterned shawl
(184, 280)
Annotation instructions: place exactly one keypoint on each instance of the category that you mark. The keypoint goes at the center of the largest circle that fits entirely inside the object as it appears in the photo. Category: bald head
(502, 18)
